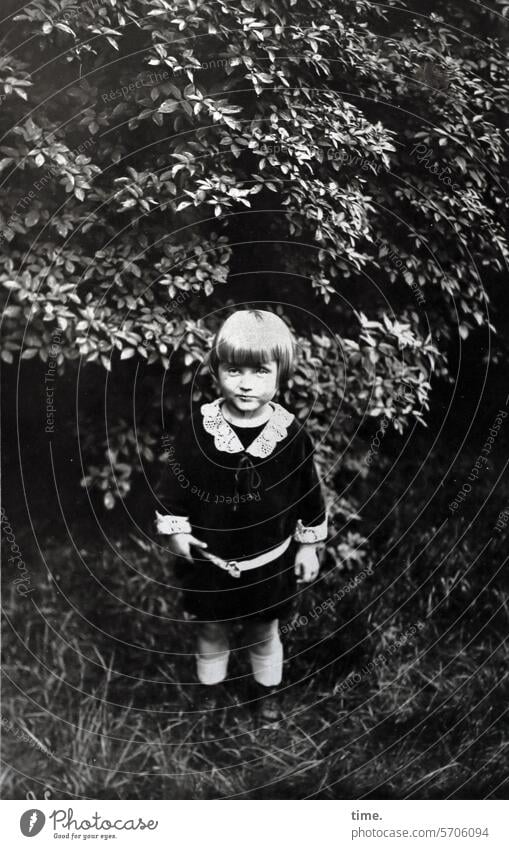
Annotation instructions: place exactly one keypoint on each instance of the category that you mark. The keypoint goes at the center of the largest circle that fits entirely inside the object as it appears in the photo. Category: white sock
(212, 670)
(268, 668)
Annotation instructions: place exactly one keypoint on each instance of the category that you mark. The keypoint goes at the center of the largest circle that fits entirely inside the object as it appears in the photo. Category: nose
(245, 382)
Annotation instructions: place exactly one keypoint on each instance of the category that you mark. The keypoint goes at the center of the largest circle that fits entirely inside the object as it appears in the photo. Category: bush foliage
(345, 163)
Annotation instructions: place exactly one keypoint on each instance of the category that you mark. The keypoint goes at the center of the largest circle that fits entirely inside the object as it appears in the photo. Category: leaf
(65, 28)
(32, 218)
(168, 106)
(109, 500)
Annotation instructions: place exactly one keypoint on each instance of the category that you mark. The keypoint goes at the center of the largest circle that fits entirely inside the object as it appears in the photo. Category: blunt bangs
(251, 338)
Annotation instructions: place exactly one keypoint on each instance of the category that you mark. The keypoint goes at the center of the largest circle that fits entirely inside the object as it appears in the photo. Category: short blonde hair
(252, 337)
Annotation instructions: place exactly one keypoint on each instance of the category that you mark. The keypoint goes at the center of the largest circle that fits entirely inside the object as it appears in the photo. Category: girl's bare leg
(265, 652)
(213, 651)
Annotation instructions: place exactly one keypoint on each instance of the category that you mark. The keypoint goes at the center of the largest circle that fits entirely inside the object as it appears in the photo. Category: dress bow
(246, 478)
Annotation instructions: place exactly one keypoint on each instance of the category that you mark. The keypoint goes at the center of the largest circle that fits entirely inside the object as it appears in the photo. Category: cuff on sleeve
(310, 533)
(172, 524)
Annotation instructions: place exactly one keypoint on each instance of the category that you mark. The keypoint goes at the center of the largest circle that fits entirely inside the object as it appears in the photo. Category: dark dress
(243, 491)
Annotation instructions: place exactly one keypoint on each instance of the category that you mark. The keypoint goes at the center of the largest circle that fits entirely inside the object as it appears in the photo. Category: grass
(98, 676)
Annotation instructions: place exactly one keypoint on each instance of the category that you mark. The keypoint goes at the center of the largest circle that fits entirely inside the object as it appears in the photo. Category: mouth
(245, 398)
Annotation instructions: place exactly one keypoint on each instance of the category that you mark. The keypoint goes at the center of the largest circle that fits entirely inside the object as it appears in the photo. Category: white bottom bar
(232, 824)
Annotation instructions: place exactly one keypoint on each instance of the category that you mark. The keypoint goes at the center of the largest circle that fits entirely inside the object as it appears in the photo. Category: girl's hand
(307, 564)
(180, 545)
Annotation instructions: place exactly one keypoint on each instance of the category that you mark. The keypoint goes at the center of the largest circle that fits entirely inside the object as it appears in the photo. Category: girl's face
(247, 389)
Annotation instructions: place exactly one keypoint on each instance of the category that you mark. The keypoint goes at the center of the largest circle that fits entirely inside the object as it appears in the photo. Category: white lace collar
(225, 438)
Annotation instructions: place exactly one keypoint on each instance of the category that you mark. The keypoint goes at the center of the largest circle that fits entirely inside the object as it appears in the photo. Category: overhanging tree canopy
(156, 153)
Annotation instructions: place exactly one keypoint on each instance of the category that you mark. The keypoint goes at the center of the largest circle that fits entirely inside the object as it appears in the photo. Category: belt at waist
(236, 567)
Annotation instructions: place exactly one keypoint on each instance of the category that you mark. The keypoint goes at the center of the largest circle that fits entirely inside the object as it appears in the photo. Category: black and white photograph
(255, 414)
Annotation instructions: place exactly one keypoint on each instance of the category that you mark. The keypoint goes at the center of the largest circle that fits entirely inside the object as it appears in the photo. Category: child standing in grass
(243, 506)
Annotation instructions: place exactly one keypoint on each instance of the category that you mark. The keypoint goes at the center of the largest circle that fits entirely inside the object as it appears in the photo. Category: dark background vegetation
(208, 189)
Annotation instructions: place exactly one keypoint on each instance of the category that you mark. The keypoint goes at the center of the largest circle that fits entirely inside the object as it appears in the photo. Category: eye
(232, 370)
(263, 370)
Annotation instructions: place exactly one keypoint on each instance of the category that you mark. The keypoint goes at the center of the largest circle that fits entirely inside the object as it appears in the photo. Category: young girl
(243, 506)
